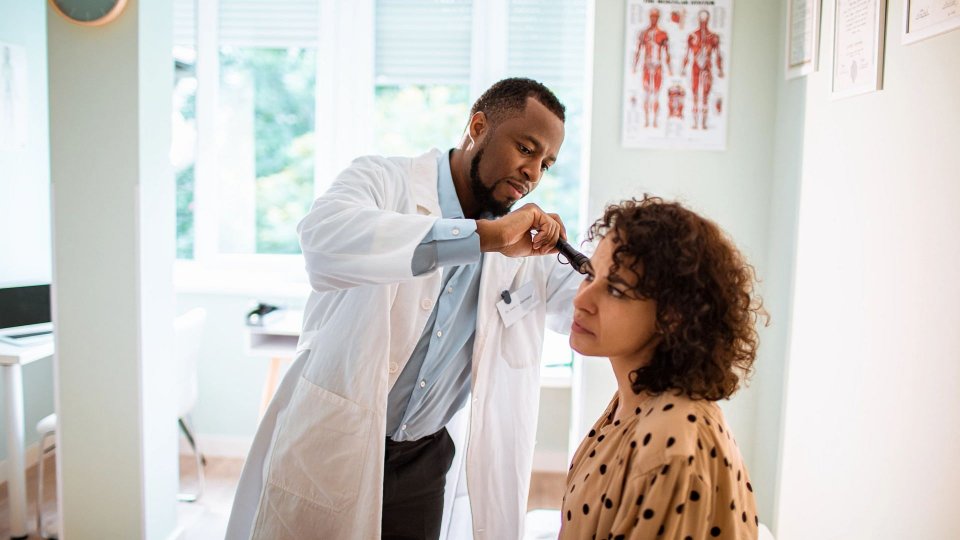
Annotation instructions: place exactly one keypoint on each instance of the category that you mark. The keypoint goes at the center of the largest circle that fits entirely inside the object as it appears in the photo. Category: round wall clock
(89, 12)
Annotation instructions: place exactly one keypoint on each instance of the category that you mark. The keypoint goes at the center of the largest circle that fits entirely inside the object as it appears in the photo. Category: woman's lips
(576, 328)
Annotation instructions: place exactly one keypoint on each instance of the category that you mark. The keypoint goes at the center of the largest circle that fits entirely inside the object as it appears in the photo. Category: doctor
(408, 259)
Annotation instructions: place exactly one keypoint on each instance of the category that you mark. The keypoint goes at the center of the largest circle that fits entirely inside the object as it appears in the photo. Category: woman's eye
(588, 277)
(524, 150)
(614, 292)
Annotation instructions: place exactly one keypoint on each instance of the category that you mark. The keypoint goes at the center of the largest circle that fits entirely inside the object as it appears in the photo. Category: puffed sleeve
(671, 500)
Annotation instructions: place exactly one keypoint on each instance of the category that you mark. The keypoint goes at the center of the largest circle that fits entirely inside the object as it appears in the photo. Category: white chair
(46, 428)
(188, 331)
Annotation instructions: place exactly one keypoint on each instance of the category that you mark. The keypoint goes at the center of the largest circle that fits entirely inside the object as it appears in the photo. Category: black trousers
(414, 474)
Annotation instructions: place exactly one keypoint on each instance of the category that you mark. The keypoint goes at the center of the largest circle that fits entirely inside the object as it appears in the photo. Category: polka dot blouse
(669, 469)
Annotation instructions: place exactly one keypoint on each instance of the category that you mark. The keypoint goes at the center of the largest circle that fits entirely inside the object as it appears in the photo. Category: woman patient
(670, 301)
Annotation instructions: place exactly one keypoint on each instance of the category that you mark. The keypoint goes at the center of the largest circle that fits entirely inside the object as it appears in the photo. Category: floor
(207, 518)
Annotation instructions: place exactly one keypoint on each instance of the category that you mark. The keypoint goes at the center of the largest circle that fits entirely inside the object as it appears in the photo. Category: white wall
(872, 420)
(733, 187)
(25, 199)
(112, 192)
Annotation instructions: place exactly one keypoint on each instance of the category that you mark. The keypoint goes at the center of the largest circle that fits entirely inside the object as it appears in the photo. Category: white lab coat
(315, 469)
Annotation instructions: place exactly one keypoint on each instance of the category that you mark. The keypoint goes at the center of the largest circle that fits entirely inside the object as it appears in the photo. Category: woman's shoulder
(671, 427)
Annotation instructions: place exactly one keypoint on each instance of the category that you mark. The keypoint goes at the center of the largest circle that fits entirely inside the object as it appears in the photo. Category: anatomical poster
(676, 74)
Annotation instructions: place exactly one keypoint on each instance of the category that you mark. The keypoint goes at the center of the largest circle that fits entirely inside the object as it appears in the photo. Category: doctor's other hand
(511, 234)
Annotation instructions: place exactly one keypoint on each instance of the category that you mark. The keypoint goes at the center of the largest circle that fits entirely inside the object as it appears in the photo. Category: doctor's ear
(477, 128)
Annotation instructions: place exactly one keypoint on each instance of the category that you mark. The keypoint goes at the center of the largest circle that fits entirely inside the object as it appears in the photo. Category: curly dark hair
(510, 96)
(704, 291)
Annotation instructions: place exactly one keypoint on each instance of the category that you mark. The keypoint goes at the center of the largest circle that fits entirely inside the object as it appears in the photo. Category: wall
(872, 412)
(25, 199)
(733, 187)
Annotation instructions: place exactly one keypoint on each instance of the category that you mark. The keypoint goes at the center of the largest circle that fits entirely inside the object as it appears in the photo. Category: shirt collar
(449, 202)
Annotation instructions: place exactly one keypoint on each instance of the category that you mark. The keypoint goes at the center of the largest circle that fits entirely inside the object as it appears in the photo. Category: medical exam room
(490, 269)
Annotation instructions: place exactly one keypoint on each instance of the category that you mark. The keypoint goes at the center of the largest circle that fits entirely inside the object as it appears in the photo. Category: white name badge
(522, 301)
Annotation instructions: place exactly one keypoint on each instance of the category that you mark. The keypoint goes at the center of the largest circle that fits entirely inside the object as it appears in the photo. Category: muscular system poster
(676, 63)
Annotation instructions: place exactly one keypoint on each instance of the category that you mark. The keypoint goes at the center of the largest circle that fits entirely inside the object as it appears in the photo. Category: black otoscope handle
(578, 261)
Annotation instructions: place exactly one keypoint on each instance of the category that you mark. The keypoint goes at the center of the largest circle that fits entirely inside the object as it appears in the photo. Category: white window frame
(345, 93)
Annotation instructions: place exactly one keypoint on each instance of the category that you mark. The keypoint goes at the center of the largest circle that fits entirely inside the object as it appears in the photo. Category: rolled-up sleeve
(450, 242)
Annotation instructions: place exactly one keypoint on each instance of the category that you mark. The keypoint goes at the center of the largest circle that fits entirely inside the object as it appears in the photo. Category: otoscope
(579, 261)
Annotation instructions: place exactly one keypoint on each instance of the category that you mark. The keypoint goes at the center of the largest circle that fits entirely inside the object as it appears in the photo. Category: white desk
(12, 358)
(278, 341)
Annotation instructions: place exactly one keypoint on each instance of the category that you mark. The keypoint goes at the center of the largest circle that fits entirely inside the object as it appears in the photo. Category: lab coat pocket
(521, 342)
(321, 447)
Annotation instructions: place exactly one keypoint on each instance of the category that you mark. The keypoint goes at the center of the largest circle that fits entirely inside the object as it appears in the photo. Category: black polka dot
(638, 410)
(653, 480)
(715, 532)
(573, 488)
(600, 438)
(586, 509)
(569, 515)
(738, 476)
(725, 462)
(633, 444)
(691, 418)
(670, 442)
(660, 531)
(694, 495)
(635, 521)
(665, 469)
(756, 521)
(592, 433)
(749, 487)
(713, 452)
(688, 538)
(679, 508)
(648, 514)
(646, 439)
(602, 497)
(639, 500)
(617, 423)
(699, 444)
(733, 506)
(585, 477)
(690, 460)
(707, 420)
(721, 428)
(603, 469)
(608, 503)
(744, 517)
(619, 537)
(667, 407)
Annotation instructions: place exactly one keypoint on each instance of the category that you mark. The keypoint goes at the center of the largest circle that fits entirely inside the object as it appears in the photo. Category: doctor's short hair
(508, 98)
(704, 291)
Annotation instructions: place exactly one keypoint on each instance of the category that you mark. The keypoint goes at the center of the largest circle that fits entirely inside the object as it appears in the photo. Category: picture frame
(802, 51)
(923, 19)
(858, 29)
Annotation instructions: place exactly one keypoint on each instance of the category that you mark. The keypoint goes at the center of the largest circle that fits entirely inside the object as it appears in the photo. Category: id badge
(522, 301)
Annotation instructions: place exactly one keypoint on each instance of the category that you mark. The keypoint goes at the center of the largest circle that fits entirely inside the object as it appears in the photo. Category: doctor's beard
(482, 194)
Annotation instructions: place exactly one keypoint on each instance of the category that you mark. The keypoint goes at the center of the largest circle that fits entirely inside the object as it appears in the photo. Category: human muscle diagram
(675, 78)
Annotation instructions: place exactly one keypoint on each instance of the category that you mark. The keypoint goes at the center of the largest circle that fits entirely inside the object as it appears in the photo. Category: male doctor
(408, 259)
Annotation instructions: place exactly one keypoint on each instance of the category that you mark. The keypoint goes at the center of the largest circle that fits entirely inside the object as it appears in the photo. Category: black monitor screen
(20, 306)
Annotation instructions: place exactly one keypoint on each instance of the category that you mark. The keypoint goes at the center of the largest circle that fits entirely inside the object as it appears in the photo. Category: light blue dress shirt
(435, 383)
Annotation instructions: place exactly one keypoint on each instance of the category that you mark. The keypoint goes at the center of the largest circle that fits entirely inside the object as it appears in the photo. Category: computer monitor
(25, 314)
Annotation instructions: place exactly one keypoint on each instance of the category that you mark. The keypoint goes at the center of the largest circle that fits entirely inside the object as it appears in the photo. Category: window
(274, 97)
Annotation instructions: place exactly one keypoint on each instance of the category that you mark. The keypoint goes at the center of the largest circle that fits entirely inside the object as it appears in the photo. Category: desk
(276, 340)
(12, 358)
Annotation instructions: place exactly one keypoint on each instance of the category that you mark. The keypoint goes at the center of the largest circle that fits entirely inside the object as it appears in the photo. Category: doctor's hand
(511, 234)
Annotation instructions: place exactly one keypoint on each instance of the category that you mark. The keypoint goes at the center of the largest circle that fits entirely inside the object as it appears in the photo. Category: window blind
(546, 40)
(269, 23)
(423, 41)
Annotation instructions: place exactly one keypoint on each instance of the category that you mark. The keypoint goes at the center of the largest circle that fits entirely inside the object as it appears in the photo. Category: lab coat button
(449, 290)
(403, 427)
(393, 367)
(423, 384)
(426, 303)
(455, 231)
(439, 333)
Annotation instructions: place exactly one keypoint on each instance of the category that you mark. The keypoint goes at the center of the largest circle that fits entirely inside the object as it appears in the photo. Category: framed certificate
(926, 18)
(857, 47)
(803, 37)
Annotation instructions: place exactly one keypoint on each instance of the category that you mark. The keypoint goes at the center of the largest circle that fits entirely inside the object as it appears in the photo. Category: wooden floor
(207, 518)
